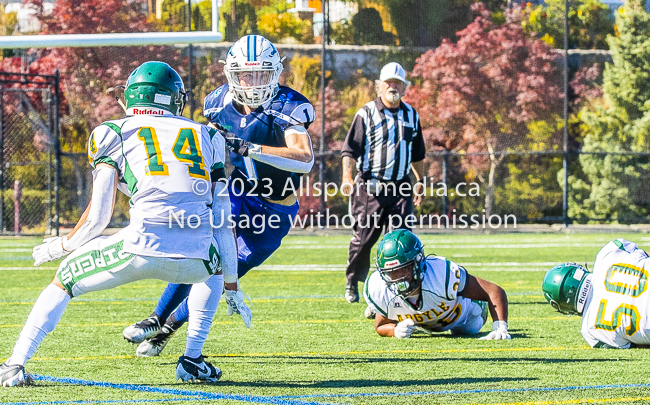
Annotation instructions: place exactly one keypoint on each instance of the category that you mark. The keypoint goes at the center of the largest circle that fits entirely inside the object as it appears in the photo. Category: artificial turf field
(308, 346)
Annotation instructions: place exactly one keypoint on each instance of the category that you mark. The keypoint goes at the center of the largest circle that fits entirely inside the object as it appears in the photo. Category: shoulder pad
(292, 108)
(105, 144)
(215, 101)
(376, 293)
(442, 277)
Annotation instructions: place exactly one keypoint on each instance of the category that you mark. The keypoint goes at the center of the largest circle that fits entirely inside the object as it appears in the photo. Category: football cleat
(369, 312)
(139, 332)
(13, 375)
(153, 346)
(351, 292)
(189, 369)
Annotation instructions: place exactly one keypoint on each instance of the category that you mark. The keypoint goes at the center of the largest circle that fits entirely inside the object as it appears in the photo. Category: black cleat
(139, 332)
(189, 369)
(351, 292)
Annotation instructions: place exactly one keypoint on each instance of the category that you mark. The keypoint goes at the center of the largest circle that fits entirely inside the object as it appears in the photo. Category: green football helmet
(566, 287)
(400, 261)
(154, 86)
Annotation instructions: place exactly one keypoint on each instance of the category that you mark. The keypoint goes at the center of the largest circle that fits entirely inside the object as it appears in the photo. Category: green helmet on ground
(400, 261)
(566, 287)
(153, 87)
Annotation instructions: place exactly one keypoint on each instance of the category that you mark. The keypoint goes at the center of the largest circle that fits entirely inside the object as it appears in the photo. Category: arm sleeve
(101, 209)
(283, 163)
(418, 151)
(355, 141)
(216, 163)
(224, 235)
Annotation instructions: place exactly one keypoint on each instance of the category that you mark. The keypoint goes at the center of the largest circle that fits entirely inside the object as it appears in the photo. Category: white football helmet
(253, 68)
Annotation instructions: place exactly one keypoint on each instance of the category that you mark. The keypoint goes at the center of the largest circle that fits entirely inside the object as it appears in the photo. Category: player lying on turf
(270, 149)
(612, 300)
(163, 162)
(412, 292)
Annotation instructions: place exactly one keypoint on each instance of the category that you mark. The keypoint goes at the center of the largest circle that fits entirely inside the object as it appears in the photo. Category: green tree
(245, 19)
(174, 15)
(368, 28)
(590, 22)
(341, 33)
(426, 22)
(283, 26)
(8, 22)
(614, 187)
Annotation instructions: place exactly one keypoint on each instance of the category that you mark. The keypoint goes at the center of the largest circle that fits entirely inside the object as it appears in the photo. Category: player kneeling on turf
(612, 300)
(412, 292)
(165, 163)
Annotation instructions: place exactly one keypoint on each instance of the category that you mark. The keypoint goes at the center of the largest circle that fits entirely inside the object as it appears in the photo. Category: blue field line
(183, 393)
(474, 391)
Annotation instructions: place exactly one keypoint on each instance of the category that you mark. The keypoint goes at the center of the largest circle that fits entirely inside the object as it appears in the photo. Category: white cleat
(369, 312)
(13, 375)
(189, 369)
(139, 332)
(152, 347)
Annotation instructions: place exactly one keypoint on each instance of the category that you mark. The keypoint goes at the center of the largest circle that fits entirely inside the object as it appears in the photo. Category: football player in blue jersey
(265, 126)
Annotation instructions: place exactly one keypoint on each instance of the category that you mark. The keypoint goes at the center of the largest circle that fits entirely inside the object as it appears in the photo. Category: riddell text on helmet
(147, 111)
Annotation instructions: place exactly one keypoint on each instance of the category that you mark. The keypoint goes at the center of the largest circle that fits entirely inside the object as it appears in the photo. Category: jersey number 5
(625, 272)
(187, 149)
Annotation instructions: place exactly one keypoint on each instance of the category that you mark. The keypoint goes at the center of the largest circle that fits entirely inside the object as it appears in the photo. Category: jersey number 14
(186, 149)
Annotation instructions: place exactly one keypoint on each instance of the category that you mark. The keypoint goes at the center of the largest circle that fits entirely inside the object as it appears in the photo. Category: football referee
(386, 142)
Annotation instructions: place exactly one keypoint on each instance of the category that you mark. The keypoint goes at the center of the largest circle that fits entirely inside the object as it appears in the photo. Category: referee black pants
(373, 213)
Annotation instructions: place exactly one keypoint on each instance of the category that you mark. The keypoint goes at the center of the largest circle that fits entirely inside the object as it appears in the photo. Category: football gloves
(499, 331)
(404, 329)
(233, 142)
(236, 305)
(238, 145)
(50, 249)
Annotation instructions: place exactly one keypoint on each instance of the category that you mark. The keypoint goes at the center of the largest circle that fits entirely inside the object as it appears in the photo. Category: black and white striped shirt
(385, 141)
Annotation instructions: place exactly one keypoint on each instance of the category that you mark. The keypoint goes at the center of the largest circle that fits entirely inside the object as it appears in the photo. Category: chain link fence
(523, 178)
(28, 137)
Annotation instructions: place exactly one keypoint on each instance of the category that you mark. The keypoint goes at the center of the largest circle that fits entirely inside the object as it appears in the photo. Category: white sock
(202, 303)
(45, 315)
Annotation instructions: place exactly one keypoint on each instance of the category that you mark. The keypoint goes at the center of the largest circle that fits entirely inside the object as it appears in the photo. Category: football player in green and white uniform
(172, 168)
(613, 300)
(410, 292)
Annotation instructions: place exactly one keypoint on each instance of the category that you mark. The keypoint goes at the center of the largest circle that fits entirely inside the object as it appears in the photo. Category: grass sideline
(308, 346)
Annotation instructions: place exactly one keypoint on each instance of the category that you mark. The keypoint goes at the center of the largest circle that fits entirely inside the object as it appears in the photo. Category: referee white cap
(393, 70)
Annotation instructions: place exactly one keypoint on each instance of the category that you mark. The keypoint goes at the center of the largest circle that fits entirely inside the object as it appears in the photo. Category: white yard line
(505, 266)
(30, 268)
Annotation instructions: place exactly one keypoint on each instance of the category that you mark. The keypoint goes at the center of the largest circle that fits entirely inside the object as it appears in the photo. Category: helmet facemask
(404, 279)
(253, 86)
